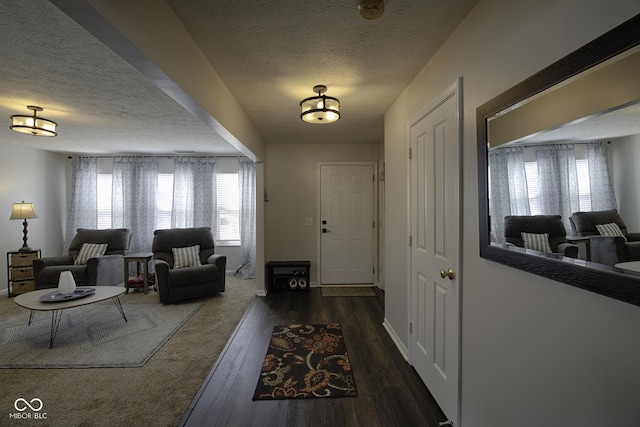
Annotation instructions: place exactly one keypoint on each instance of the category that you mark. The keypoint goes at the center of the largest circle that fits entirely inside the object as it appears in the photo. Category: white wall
(624, 157)
(534, 352)
(291, 171)
(38, 177)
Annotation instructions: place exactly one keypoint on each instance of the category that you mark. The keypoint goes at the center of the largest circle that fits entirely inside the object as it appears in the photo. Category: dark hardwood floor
(389, 391)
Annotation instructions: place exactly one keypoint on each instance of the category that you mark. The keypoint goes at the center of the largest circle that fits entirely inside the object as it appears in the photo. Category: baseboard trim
(396, 339)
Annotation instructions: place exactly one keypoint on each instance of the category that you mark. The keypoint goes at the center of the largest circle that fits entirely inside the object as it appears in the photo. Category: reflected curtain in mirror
(601, 187)
(558, 181)
(508, 191)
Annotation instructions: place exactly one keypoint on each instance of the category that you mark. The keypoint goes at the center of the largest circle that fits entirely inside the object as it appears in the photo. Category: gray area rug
(348, 291)
(92, 336)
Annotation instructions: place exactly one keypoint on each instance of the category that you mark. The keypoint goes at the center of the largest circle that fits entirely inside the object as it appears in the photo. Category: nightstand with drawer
(20, 271)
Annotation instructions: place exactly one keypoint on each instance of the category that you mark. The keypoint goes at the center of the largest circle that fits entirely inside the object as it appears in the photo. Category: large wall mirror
(559, 169)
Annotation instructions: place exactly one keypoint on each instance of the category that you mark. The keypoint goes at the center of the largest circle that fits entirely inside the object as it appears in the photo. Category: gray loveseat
(176, 284)
(106, 270)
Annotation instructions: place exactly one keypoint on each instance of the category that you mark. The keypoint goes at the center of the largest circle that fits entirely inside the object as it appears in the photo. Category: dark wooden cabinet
(20, 271)
(288, 275)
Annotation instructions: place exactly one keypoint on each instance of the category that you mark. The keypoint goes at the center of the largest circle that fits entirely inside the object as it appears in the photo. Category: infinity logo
(24, 404)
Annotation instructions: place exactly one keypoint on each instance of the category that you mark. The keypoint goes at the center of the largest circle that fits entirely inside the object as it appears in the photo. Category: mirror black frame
(606, 280)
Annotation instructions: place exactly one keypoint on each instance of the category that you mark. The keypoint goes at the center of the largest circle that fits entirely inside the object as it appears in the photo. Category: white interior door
(435, 248)
(346, 224)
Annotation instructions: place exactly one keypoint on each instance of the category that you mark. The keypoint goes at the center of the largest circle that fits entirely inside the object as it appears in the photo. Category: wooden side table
(20, 271)
(140, 258)
(579, 240)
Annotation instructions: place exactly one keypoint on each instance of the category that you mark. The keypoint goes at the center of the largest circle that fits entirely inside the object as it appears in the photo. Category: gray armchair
(514, 226)
(106, 270)
(176, 284)
(607, 250)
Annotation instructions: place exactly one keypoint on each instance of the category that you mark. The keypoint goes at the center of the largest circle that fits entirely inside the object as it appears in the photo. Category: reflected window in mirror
(551, 179)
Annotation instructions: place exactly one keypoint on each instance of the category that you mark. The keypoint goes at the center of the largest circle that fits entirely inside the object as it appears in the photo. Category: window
(104, 200)
(227, 194)
(533, 189)
(228, 214)
(584, 186)
(531, 170)
(164, 200)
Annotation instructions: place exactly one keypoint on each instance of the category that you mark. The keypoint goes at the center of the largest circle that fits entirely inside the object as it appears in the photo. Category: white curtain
(508, 193)
(194, 192)
(134, 186)
(83, 204)
(247, 184)
(602, 195)
(558, 181)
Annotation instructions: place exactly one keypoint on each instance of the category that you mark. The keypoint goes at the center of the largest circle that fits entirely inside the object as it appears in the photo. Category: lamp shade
(33, 125)
(23, 211)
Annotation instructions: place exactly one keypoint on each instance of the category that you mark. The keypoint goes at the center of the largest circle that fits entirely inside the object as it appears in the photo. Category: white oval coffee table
(31, 301)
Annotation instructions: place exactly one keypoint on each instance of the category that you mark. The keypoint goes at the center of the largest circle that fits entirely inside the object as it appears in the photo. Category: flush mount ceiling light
(371, 9)
(320, 109)
(33, 125)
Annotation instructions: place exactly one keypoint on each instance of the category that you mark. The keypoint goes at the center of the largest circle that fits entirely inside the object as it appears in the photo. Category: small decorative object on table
(66, 283)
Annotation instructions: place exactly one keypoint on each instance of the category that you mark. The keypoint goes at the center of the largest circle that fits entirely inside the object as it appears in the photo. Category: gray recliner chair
(176, 284)
(608, 250)
(105, 270)
(514, 226)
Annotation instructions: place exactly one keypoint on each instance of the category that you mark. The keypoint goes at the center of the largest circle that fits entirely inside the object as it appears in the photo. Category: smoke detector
(371, 9)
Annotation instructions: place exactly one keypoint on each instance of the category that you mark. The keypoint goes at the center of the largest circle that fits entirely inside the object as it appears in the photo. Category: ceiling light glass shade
(33, 125)
(320, 109)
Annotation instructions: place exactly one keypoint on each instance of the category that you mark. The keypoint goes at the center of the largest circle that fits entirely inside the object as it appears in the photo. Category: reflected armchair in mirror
(542, 233)
(609, 240)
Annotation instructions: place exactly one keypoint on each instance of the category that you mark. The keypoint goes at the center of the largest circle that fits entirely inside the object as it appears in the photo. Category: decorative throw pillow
(90, 250)
(536, 242)
(610, 229)
(186, 257)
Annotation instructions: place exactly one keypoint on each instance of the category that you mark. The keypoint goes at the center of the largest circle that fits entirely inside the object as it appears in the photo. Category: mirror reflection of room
(581, 185)
(570, 189)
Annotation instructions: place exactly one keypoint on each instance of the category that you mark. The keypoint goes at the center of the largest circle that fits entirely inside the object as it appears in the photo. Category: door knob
(448, 273)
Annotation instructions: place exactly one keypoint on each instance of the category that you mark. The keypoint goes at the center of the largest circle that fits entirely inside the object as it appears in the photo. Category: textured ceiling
(100, 102)
(270, 55)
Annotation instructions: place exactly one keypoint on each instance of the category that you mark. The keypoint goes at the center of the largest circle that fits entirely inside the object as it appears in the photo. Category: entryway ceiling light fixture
(320, 109)
(33, 125)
